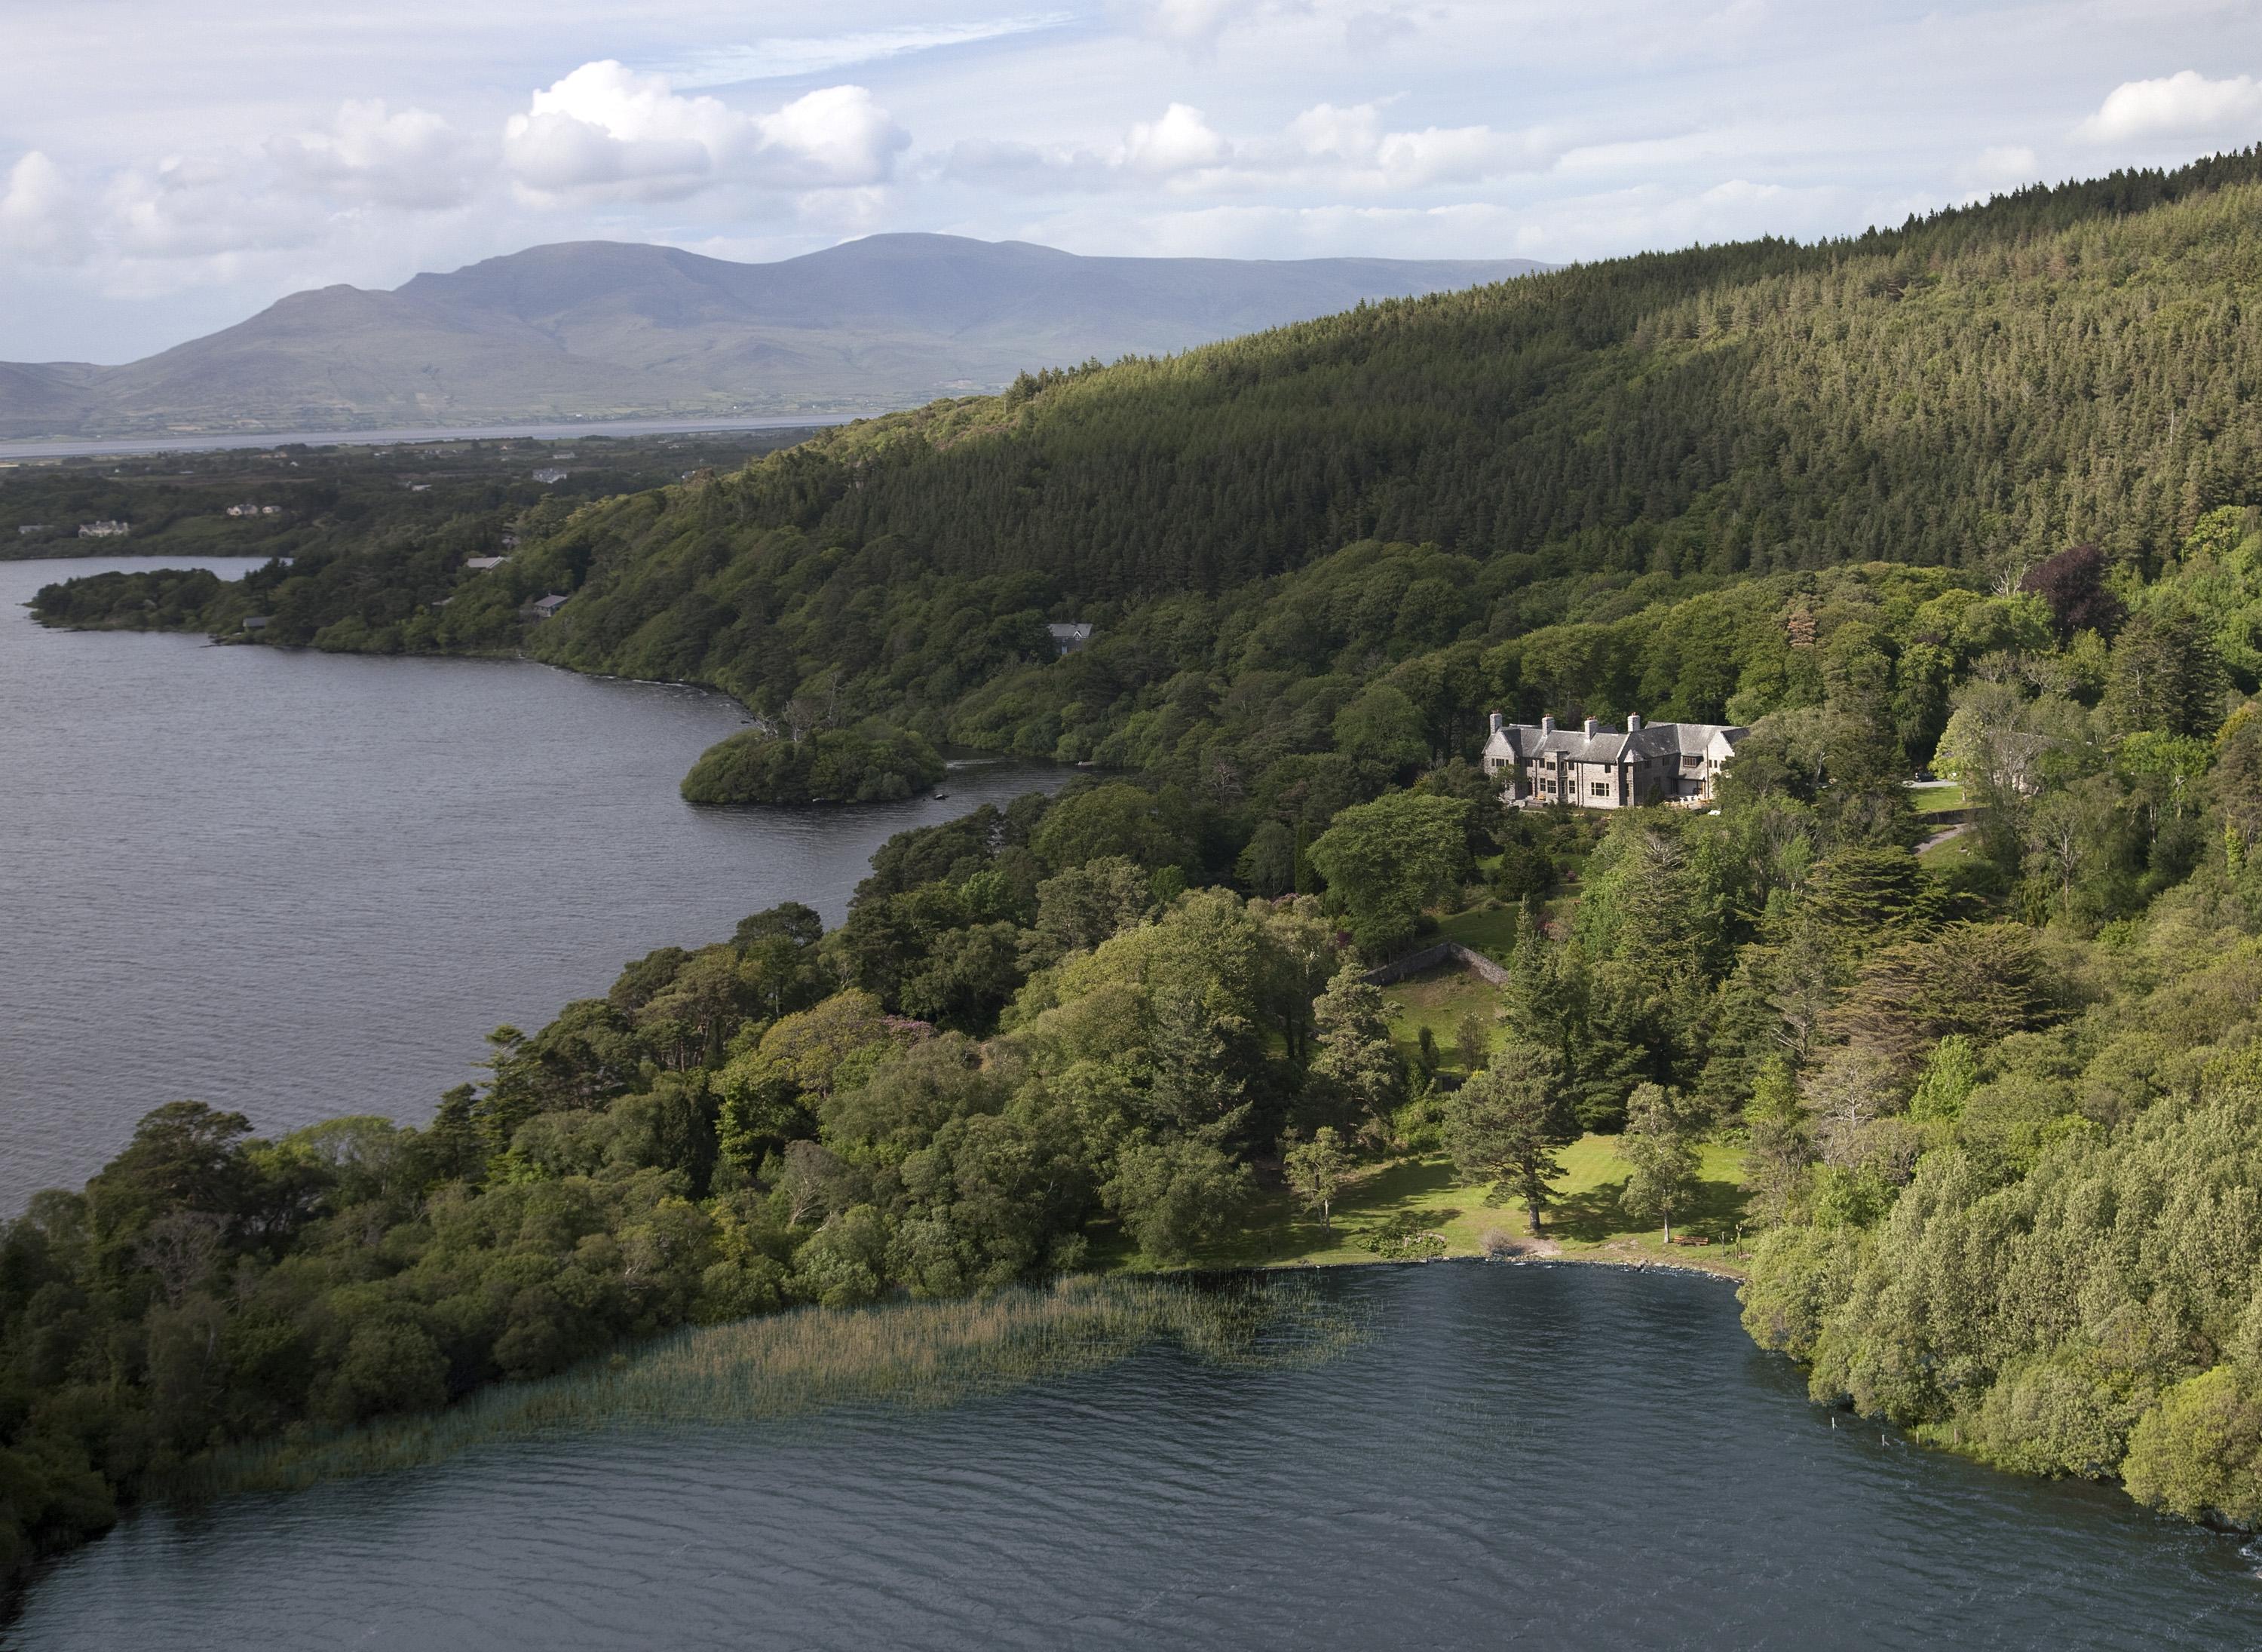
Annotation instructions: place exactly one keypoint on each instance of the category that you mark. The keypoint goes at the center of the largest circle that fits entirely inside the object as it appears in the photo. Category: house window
(1602, 789)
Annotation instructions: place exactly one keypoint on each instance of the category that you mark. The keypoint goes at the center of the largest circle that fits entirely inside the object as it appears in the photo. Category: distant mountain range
(593, 329)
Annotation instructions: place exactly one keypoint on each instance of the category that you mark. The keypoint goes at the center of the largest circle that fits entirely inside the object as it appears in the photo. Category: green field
(1586, 1221)
(1436, 998)
(1936, 799)
(1489, 929)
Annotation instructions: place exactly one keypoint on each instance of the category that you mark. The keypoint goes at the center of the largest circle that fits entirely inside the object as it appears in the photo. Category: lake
(301, 884)
(1571, 1457)
(220, 442)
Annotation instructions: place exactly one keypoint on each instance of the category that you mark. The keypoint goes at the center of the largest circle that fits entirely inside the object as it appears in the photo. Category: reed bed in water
(912, 1354)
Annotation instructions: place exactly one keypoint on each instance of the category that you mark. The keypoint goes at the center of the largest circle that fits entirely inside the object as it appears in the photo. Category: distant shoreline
(216, 442)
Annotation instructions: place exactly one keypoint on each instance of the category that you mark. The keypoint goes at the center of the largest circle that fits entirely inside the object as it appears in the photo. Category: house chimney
(1547, 726)
(1633, 723)
(1497, 721)
(1588, 728)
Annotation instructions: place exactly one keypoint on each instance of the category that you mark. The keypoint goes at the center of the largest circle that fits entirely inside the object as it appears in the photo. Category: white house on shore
(1594, 767)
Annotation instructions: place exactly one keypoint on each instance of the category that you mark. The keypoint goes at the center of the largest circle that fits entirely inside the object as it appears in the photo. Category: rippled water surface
(1543, 1457)
(304, 884)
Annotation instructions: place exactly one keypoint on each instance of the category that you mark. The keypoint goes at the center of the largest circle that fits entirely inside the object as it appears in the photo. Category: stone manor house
(1594, 767)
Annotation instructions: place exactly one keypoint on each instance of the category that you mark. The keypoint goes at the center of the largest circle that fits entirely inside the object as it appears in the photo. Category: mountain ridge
(602, 328)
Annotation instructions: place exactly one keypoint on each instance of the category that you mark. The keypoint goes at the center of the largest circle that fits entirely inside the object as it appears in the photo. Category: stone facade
(1594, 767)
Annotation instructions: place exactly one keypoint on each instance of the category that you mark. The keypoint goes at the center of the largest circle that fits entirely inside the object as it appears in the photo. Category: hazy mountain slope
(46, 395)
(1975, 389)
(599, 327)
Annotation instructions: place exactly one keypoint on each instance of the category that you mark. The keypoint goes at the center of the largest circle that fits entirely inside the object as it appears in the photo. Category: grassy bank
(1422, 1194)
(1436, 1000)
(1586, 1225)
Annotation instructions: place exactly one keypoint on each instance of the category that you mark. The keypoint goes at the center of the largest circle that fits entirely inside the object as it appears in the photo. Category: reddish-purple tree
(2072, 582)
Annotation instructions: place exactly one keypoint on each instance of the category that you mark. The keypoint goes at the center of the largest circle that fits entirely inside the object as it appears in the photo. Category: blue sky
(167, 167)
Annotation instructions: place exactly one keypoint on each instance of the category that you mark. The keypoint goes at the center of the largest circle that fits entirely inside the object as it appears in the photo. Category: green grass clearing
(1945, 856)
(1489, 929)
(1586, 1221)
(1437, 999)
(1936, 799)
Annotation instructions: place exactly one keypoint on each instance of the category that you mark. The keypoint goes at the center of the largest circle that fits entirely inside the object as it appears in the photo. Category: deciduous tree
(1315, 1170)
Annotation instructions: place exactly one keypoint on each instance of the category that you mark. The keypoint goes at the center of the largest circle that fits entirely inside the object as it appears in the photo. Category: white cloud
(1997, 171)
(1368, 32)
(606, 129)
(1328, 133)
(792, 57)
(1460, 154)
(1326, 145)
(39, 217)
(1195, 24)
(1375, 159)
(200, 206)
(215, 207)
(1180, 141)
(838, 137)
(2182, 106)
(413, 160)
(608, 133)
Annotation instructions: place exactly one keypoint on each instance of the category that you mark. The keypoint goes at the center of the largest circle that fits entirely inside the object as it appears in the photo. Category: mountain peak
(584, 328)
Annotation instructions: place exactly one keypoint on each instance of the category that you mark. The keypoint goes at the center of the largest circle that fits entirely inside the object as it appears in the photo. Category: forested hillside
(1979, 497)
(1973, 390)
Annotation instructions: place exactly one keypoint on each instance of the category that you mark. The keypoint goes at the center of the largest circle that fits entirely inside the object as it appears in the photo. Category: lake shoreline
(1725, 1273)
(1477, 1416)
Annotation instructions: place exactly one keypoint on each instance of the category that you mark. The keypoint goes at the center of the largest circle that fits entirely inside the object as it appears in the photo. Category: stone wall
(1430, 957)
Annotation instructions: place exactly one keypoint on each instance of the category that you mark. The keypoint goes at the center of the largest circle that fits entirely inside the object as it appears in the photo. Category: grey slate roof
(1616, 745)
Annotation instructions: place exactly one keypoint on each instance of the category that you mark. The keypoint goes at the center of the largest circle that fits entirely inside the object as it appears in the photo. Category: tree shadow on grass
(1273, 1228)
(1424, 1216)
(1589, 1217)
(1715, 1211)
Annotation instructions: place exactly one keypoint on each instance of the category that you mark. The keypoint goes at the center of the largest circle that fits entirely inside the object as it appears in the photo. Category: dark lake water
(303, 884)
(1532, 1457)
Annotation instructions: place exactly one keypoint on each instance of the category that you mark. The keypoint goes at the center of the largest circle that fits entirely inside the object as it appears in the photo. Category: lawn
(1942, 857)
(1275, 1231)
(1437, 999)
(1586, 1221)
(1936, 799)
(1489, 929)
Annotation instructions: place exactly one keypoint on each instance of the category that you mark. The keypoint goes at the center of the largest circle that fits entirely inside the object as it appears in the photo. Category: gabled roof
(1525, 742)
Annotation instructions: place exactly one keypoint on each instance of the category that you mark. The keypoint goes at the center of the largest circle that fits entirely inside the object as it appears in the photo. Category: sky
(170, 167)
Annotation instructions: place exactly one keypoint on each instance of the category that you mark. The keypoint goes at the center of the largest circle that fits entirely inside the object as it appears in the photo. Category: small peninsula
(872, 763)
